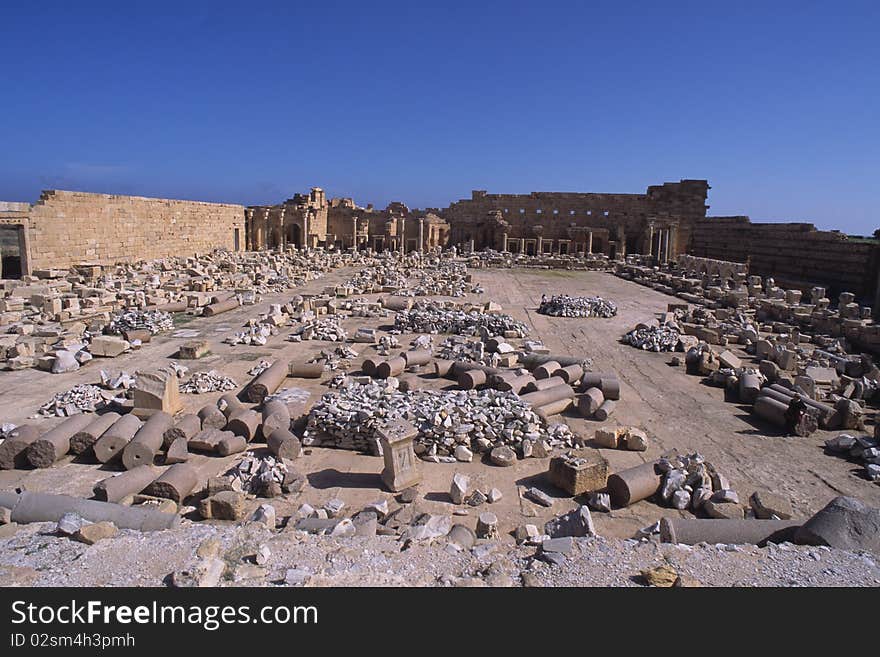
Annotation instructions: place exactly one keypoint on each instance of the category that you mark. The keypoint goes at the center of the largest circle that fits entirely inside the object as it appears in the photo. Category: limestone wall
(67, 228)
(795, 254)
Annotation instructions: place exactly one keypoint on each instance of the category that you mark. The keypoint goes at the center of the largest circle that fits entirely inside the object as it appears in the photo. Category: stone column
(421, 234)
(283, 243)
(505, 243)
(306, 239)
(539, 250)
(354, 233)
(666, 245)
(472, 246)
(651, 240)
(673, 242)
(589, 242)
(402, 235)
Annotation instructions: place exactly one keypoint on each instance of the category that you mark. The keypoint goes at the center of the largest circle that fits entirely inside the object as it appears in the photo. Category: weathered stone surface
(459, 488)
(577, 522)
(227, 505)
(94, 532)
(767, 504)
(846, 524)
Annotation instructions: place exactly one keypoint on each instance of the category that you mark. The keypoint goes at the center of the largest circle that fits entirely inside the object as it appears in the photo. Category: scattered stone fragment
(459, 488)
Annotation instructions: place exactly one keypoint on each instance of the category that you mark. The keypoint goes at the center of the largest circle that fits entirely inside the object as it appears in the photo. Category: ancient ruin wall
(795, 254)
(67, 228)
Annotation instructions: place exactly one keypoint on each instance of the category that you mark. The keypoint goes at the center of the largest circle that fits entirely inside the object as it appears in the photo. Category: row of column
(540, 247)
(662, 246)
(421, 245)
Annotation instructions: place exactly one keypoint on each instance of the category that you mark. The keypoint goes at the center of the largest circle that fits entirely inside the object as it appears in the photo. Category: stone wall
(623, 221)
(795, 254)
(66, 228)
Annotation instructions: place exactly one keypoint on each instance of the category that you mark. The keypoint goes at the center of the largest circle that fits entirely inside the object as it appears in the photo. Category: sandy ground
(678, 411)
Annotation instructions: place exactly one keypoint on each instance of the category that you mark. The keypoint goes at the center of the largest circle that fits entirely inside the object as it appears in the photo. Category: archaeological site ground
(516, 390)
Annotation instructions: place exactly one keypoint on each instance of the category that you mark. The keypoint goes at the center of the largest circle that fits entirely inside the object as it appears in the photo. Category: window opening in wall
(539, 210)
(589, 212)
(571, 212)
(605, 213)
(522, 210)
(555, 211)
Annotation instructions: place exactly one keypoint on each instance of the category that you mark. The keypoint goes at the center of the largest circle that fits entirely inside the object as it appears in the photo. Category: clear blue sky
(777, 104)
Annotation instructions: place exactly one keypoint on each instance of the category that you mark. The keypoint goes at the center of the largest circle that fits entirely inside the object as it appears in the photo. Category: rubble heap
(691, 482)
(428, 318)
(323, 328)
(653, 338)
(564, 305)
(211, 381)
(258, 475)
(479, 420)
(81, 398)
(154, 321)
(865, 449)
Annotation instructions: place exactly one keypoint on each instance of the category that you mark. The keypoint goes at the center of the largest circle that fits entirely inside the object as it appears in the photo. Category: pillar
(673, 242)
(666, 245)
(421, 234)
(504, 250)
(651, 240)
(539, 250)
(354, 234)
(589, 242)
(402, 235)
(283, 244)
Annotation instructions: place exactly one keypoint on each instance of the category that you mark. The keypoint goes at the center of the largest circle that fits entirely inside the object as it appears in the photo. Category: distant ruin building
(65, 228)
(657, 223)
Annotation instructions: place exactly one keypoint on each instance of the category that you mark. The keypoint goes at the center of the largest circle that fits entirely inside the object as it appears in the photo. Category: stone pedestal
(156, 390)
(401, 470)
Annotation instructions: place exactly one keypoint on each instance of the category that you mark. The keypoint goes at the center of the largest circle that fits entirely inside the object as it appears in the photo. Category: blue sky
(775, 103)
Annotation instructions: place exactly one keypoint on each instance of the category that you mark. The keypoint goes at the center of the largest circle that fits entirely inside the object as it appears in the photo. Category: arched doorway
(294, 235)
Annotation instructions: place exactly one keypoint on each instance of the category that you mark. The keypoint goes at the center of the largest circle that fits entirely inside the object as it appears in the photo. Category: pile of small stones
(258, 475)
(862, 448)
(564, 305)
(427, 318)
(461, 349)
(82, 398)
(155, 321)
(653, 338)
(259, 368)
(445, 278)
(692, 482)
(478, 420)
(335, 359)
(323, 328)
(211, 381)
(252, 335)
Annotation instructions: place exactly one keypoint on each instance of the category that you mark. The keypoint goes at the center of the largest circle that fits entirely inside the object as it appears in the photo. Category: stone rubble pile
(252, 335)
(154, 321)
(691, 482)
(431, 318)
(201, 383)
(863, 449)
(564, 305)
(259, 368)
(322, 328)
(459, 348)
(45, 316)
(479, 420)
(653, 338)
(82, 398)
(335, 359)
(264, 476)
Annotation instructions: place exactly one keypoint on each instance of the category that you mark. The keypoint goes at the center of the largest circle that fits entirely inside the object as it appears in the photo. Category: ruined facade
(657, 223)
(796, 255)
(66, 228)
(311, 220)
(300, 221)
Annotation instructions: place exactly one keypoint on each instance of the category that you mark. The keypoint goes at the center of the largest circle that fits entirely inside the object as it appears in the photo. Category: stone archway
(294, 235)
